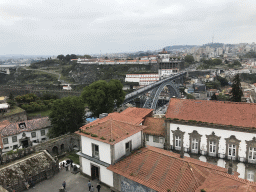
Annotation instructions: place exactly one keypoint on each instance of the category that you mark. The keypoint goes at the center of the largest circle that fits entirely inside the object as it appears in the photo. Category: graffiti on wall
(131, 186)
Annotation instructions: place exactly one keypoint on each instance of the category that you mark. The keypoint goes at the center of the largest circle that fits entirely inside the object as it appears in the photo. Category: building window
(14, 139)
(42, 132)
(195, 139)
(5, 141)
(212, 147)
(33, 134)
(232, 146)
(212, 144)
(15, 147)
(128, 147)
(178, 139)
(232, 150)
(194, 146)
(161, 140)
(95, 151)
(43, 139)
(6, 148)
(156, 139)
(147, 137)
(177, 142)
(252, 153)
(250, 176)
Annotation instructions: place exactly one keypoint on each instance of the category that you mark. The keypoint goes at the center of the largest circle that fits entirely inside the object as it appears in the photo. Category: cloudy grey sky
(85, 27)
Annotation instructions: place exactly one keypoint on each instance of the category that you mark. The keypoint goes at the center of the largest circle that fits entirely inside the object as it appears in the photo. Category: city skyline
(83, 27)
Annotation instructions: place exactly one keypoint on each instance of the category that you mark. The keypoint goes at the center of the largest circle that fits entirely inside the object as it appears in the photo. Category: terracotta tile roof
(223, 182)
(111, 130)
(161, 170)
(31, 125)
(137, 112)
(155, 126)
(217, 112)
(118, 117)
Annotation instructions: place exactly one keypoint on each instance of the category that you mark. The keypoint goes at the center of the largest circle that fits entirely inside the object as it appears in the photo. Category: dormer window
(22, 125)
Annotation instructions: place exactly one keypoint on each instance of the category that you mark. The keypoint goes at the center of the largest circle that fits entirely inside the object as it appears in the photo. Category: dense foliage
(67, 115)
(102, 97)
(31, 103)
(189, 59)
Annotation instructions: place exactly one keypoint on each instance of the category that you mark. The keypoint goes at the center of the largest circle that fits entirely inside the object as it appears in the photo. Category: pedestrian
(64, 184)
(69, 166)
(63, 164)
(98, 187)
(66, 166)
(92, 189)
(89, 185)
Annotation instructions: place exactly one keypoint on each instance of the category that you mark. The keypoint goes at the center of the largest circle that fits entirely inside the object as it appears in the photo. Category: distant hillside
(170, 48)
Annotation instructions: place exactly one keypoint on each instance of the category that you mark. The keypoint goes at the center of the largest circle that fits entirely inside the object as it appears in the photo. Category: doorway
(95, 172)
(24, 143)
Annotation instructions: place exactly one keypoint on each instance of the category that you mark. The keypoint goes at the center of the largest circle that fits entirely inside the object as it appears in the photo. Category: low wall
(17, 117)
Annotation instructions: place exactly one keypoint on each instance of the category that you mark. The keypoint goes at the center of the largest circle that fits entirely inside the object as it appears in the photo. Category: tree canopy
(189, 59)
(102, 97)
(67, 115)
(236, 91)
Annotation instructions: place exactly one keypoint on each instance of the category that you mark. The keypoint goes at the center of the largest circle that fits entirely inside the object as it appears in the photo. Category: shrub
(102, 138)
(94, 135)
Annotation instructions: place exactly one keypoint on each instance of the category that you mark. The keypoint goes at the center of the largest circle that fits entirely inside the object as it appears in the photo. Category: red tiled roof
(155, 126)
(111, 130)
(137, 112)
(31, 125)
(217, 112)
(118, 117)
(223, 182)
(3, 124)
(161, 170)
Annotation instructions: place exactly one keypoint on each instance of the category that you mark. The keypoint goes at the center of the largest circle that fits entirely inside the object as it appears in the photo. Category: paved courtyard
(75, 183)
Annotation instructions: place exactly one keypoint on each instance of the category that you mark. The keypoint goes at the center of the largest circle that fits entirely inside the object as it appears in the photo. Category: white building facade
(24, 134)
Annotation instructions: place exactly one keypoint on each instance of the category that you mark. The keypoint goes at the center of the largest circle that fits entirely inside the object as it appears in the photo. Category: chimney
(182, 152)
(230, 169)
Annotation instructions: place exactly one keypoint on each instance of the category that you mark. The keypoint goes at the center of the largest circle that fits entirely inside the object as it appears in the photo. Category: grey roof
(30, 125)
(30, 166)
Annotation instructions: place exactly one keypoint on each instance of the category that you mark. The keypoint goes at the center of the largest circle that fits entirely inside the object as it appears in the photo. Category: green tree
(67, 115)
(214, 97)
(87, 56)
(102, 97)
(189, 59)
(189, 96)
(237, 63)
(236, 92)
(11, 103)
(217, 61)
(223, 81)
(68, 57)
(61, 57)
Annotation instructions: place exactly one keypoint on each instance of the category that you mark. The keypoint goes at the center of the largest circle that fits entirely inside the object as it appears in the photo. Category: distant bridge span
(155, 90)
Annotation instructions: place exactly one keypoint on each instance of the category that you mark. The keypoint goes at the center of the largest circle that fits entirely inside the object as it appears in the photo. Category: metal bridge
(155, 89)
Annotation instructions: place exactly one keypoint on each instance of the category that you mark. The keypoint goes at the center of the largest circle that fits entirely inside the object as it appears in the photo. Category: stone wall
(55, 147)
(60, 145)
(17, 117)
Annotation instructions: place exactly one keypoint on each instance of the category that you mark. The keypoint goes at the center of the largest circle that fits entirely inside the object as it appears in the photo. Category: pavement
(74, 183)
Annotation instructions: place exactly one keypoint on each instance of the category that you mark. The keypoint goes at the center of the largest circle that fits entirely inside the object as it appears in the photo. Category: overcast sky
(55, 27)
